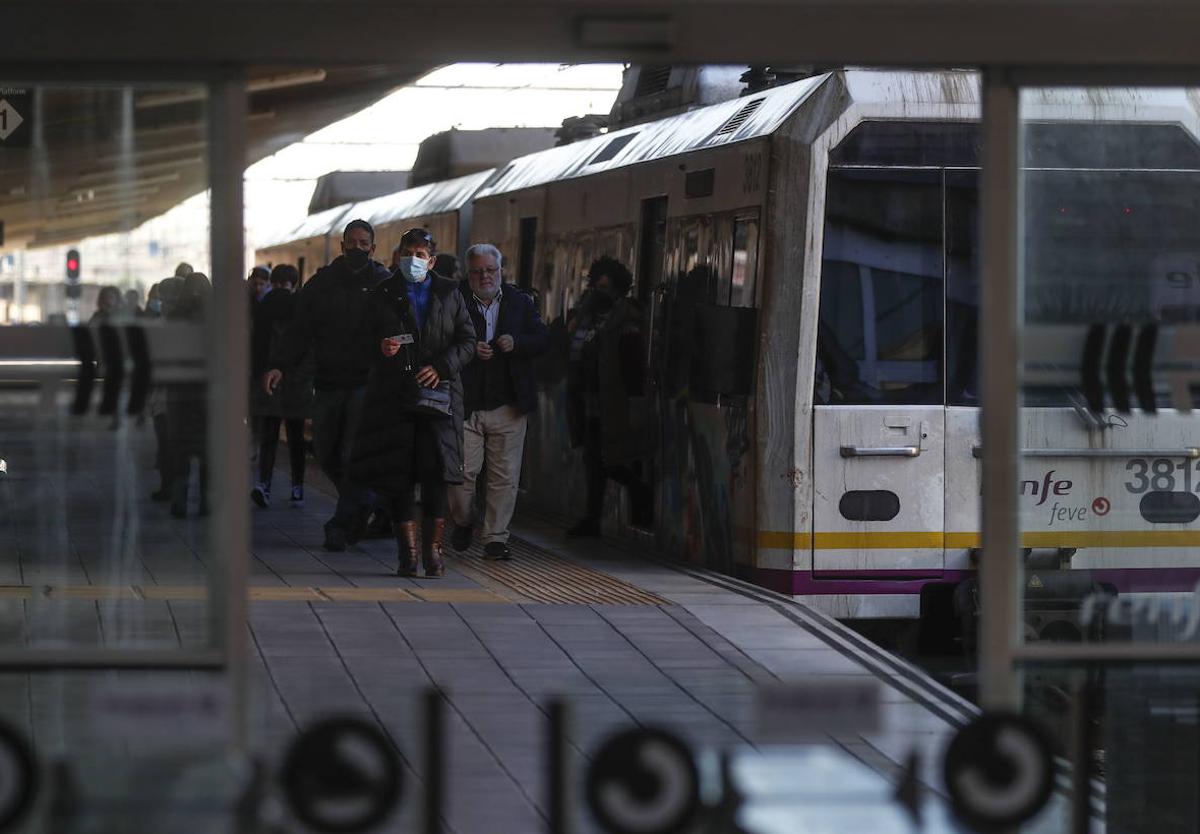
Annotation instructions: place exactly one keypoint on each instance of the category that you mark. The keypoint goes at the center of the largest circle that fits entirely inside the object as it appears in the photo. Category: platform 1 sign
(15, 117)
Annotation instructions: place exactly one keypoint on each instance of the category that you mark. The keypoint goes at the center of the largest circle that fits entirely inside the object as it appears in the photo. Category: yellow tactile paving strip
(536, 575)
(274, 593)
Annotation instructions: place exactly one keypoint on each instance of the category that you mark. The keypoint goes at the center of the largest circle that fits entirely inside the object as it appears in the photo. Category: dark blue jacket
(519, 319)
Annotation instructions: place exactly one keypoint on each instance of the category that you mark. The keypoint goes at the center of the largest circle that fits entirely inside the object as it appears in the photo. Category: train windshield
(899, 285)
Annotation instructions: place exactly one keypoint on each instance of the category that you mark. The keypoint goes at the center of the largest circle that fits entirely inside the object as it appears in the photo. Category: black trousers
(598, 474)
(426, 468)
(268, 445)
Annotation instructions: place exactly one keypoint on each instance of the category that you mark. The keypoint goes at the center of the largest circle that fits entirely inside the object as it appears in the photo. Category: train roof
(315, 225)
(706, 127)
(424, 200)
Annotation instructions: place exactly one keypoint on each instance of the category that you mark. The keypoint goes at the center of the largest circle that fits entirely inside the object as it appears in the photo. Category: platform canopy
(105, 156)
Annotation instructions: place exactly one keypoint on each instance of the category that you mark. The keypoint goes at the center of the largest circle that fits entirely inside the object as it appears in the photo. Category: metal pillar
(1000, 564)
(227, 332)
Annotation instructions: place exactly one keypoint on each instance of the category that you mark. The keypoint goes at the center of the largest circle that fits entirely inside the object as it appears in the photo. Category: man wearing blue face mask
(331, 322)
(412, 424)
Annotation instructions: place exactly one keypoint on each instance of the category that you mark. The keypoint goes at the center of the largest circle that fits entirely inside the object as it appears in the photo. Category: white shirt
(491, 315)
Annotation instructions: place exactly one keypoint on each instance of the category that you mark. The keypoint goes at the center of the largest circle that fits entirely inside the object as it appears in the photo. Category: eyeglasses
(479, 272)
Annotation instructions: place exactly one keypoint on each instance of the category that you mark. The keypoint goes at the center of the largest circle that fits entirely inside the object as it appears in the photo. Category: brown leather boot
(431, 547)
(406, 540)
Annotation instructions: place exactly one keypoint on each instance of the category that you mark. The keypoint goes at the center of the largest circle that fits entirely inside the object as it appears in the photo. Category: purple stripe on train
(1125, 580)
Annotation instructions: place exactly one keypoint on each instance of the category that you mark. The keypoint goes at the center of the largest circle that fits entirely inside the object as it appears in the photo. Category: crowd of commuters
(177, 411)
(418, 380)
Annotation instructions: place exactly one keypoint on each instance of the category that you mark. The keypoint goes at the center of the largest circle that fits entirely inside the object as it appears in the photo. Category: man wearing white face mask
(411, 426)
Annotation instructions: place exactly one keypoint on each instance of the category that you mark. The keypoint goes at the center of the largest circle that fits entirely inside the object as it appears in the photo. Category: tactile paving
(538, 575)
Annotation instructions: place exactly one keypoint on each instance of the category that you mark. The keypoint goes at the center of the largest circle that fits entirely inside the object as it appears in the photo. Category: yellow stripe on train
(913, 540)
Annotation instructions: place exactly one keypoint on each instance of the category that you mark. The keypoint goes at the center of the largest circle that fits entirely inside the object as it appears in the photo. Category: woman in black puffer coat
(394, 448)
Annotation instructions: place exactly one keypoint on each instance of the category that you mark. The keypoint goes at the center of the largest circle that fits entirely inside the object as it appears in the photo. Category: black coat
(518, 318)
(332, 320)
(270, 320)
(382, 454)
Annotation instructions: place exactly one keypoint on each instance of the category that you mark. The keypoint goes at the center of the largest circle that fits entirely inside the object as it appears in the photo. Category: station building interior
(898, 529)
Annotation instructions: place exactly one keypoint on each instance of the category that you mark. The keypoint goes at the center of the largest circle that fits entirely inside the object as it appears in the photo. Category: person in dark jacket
(423, 337)
(606, 393)
(332, 322)
(500, 389)
(290, 406)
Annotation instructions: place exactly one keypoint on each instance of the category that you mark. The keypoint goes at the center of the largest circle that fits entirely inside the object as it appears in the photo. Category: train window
(910, 143)
(880, 334)
(525, 253)
(962, 287)
(1047, 145)
(745, 261)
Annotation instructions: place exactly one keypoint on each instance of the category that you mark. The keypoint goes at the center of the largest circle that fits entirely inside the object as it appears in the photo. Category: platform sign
(999, 771)
(644, 781)
(16, 115)
(342, 775)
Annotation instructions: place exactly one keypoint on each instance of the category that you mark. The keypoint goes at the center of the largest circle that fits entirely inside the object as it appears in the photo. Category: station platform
(623, 639)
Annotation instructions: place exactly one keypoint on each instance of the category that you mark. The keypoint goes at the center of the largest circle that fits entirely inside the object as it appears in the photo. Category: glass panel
(745, 261)
(103, 514)
(880, 335)
(1109, 480)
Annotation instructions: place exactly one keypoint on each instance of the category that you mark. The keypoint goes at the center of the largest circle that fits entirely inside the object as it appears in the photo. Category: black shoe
(460, 537)
(335, 538)
(587, 528)
(497, 552)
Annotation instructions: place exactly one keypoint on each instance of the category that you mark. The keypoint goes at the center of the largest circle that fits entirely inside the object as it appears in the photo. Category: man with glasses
(500, 389)
(331, 321)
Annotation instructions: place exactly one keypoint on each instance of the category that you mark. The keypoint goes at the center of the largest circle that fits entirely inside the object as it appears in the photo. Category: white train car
(807, 260)
(444, 208)
(310, 245)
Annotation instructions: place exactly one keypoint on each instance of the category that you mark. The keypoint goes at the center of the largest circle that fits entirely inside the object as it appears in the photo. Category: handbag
(431, 402)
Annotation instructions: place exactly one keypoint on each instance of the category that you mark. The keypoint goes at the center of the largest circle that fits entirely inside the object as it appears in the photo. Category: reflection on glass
(1109, 488)
(103, 538)
(880, 337)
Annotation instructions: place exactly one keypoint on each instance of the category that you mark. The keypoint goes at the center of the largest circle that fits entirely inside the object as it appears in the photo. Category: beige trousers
(496, 437)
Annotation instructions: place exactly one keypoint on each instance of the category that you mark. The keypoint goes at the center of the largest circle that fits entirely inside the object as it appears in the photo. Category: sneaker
(460, 537)
(261, 495)
(586, 528)
(497, 552)
(335, 538)
(297, 499)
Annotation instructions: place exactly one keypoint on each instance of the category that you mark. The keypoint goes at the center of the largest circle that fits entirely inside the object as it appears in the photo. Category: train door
(879, 419)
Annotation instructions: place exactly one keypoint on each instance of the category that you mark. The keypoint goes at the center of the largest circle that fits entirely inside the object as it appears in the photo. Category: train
(806, 258)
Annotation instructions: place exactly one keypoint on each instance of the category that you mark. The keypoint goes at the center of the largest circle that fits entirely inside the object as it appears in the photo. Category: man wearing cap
(331, 320)
(500, 389)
